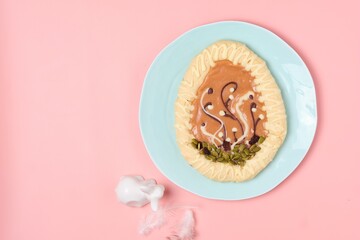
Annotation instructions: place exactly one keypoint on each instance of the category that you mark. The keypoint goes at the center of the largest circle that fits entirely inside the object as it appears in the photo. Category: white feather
(186, 228)
(152, 221)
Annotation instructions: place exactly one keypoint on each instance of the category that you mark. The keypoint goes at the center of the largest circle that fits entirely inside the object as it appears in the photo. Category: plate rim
(155, 60)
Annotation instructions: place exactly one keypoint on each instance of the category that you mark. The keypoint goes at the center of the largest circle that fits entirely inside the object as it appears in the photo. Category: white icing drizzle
(203, 129)
(242, 118)
(213, 137)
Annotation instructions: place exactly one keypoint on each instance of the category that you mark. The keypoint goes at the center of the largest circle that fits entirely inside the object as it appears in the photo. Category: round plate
(160, 92)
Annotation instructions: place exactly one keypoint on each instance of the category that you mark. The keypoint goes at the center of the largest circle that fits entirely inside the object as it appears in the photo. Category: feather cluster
(184, 230)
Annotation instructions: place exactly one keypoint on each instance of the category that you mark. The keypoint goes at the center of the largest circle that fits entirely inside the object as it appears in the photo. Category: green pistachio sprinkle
(242, 147)
(243, 155)
(252, 147)
(214, 153)
(256, 149)
(246, 151)
(237, 156)
(261, 140)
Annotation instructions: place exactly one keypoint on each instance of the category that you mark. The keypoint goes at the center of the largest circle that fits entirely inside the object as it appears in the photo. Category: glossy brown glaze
(223, 88)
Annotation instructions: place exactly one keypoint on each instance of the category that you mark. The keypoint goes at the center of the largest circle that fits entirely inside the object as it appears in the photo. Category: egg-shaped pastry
(230, 117)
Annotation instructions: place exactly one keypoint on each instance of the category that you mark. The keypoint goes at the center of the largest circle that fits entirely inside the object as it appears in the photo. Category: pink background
(71, 74)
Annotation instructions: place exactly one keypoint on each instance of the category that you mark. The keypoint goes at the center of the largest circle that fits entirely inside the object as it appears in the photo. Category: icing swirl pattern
(227, 110)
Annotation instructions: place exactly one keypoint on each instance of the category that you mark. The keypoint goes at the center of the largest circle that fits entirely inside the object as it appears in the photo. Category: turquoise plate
(160, 91)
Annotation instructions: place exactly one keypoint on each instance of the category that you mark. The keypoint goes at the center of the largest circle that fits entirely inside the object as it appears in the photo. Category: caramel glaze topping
(227, 110)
